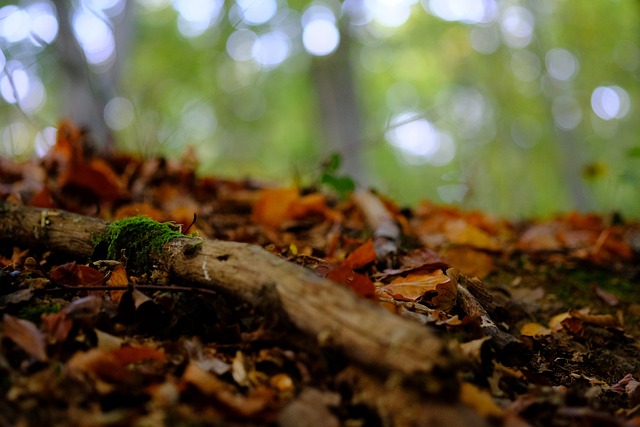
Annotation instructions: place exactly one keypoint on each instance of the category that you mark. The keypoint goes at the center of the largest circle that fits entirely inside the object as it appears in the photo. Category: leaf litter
(544, 314)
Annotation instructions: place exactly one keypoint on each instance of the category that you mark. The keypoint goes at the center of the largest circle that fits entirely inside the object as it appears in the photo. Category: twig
(386, 231)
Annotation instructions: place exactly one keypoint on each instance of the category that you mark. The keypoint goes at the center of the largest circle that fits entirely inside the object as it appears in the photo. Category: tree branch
(327, 311)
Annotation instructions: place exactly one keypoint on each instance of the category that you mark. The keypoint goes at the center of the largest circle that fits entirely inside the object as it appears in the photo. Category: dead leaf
(26, 335)
(479, 400)
(72, 274)
(363, 255)
(417, 285)
(603, 320)
(118, 277)
(357, 282)
(534, 329)
(273, 206)
(225, 393)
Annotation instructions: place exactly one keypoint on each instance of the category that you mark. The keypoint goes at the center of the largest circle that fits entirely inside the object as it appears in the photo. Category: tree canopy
(516, 107)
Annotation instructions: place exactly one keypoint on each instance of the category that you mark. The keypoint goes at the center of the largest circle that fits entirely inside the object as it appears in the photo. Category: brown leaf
(417, 285)
(112, 365)
(603, 320)
(225, 393)
(72, 274)
(57, 326)
(26, 335)
(118, 278)
(359, 283)
(422, 258)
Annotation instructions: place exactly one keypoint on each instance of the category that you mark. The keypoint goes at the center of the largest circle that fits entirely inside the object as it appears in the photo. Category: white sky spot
(14, 83)
(15, 23)
(317, 11)
(467, 11)
(94, 35)
(525, 65)
(567, 113)
(419, 141)
(561, 64)
(35, 97)
(271, 49)
(45, 139)
(240, 45)
(44, 23)
(256, 12)
(390, 13)
(196, 16)
(320, 37)
(358, 11)
(118, 113)
(610, 102)
(517, 25)
(484, 38)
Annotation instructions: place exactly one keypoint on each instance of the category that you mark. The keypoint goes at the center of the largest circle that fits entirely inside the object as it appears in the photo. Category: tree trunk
(339, 109)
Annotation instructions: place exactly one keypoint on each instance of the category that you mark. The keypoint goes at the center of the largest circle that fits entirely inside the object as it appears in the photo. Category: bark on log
(319, 307)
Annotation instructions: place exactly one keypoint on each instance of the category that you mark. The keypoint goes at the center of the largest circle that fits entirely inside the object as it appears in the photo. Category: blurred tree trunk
(85, 91)
(340, 113)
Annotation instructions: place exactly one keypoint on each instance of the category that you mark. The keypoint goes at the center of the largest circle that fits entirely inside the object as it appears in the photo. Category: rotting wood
(319, 307)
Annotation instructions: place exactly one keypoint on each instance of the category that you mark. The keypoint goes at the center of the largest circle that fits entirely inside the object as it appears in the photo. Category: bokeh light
(610, 102)
(320, 36)
(118, 113)
(419, 141)
(561, 64)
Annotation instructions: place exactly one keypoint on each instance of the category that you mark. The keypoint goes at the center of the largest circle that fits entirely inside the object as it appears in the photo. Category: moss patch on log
(135, 241)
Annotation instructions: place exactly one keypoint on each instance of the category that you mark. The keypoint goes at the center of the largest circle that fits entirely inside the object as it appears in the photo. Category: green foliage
(34, 312)
(341, 184)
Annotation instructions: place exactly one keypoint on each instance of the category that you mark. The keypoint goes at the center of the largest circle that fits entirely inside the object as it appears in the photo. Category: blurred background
(519, 108)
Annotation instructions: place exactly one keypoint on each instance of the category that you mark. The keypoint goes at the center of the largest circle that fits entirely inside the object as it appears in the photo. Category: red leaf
(359, 283)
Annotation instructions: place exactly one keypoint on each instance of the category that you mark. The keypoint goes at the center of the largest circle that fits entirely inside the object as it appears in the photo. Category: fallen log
(329, 312)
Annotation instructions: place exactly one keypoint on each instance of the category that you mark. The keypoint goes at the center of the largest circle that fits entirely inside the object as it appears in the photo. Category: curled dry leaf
(26, 335)
(433, 287)
(72, 274)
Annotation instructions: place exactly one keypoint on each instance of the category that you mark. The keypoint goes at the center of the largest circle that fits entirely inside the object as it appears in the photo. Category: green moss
(135, 241)
(35, 311)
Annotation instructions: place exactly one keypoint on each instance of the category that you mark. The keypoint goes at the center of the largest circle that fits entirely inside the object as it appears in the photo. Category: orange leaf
(118, 278)
(415, 285)
(273, 206)
(26, 335)
(434, 287)
(311, 204)
(362, 256)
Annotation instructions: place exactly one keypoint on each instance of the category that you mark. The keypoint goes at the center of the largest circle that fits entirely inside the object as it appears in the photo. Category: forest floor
(541, 319)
